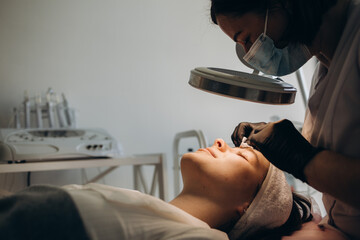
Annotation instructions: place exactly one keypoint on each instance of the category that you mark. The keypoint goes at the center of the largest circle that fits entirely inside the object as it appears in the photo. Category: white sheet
(115, 213)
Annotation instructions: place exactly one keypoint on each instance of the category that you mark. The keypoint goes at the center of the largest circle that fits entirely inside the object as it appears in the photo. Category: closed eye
(236, 35)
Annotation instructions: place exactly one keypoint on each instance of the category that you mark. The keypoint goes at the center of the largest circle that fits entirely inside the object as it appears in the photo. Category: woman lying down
(229, 193)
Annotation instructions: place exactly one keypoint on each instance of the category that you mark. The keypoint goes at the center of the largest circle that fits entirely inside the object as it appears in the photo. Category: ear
(241, 209)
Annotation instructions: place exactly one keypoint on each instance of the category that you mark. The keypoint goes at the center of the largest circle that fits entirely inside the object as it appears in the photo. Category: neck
(329, 34)
(213, 214)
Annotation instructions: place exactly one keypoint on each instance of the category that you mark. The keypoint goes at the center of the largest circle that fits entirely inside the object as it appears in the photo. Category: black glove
(280, 142)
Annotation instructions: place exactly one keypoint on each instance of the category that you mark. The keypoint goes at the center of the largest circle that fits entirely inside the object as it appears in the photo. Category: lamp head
(240, 85)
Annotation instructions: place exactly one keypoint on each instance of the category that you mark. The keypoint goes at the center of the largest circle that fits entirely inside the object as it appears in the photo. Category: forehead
(248, 22)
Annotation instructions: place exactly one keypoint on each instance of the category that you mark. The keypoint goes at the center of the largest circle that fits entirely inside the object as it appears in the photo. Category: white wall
(124, 65)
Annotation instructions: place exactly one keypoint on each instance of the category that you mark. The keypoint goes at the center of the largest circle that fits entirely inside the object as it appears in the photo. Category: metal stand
(302, 85)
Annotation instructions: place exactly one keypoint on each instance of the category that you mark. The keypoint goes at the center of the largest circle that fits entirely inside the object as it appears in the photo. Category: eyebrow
(236, 35)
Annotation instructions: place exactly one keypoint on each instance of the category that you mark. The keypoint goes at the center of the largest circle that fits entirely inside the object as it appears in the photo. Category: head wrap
(270, 208)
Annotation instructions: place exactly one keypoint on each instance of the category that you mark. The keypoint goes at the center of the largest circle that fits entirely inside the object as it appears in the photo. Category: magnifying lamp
(246, 86)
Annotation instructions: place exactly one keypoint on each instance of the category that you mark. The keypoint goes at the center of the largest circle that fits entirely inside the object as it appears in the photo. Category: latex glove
(280, 142)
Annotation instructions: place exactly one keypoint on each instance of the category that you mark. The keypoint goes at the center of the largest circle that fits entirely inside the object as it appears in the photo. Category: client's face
(223, 174)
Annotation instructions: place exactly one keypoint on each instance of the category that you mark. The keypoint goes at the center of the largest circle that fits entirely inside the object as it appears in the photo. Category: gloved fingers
(245, 129)
(284, 125)
(257, 127)
(265, 135)
(236, 136)
(261, 136)
(284, 146)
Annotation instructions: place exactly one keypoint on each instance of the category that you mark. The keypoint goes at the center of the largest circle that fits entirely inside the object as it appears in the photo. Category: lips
(211, 151)
(206, 150)
(203, 150)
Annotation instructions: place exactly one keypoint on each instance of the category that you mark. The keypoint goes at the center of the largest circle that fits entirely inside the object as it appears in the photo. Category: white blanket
(115, 213)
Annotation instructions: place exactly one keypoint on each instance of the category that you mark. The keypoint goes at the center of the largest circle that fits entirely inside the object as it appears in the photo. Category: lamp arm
(302, 84)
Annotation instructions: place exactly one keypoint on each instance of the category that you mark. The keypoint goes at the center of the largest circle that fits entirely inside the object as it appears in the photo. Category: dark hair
(300, 213)
(305, 16)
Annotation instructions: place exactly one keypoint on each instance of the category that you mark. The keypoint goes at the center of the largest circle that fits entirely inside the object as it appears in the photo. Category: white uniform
(333, 116)
(114, 213)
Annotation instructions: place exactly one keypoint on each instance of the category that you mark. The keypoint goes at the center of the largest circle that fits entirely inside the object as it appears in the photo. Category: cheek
(277, 26)
(234, 176)
(244, 180)
(241, 185)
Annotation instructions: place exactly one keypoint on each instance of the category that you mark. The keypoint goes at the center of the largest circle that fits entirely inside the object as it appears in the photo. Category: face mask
(265, 57)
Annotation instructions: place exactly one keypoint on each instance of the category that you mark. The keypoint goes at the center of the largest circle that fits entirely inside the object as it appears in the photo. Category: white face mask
(265, 57)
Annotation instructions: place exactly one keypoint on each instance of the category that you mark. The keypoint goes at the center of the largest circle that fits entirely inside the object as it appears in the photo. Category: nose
(242, 48)
(220, 144)
(243, 44)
